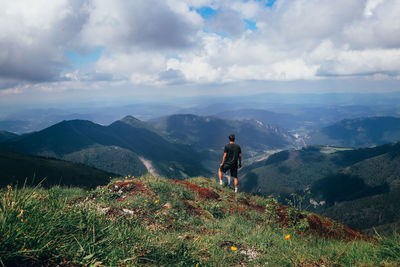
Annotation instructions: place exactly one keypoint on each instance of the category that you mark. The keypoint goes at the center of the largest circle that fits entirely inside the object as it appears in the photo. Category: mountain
(4, 136)
(378, 210)
(287, 171)
(345, 181)
(286, 121)
(36, 119)
(211, 133)
(149, 221)
(170, 159)
(359, 132)
(109, 158)
(94, 144)
(16, 168)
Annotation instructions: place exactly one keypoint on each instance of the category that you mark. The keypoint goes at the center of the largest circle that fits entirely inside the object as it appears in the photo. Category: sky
(100, 50)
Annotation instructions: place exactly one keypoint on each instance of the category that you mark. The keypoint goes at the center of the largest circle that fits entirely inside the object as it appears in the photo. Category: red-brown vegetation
(201, 191)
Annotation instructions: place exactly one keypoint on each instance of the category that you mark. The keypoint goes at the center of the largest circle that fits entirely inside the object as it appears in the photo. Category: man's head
(232, 138)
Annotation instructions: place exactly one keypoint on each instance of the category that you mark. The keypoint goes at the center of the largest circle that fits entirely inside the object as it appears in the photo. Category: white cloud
(155, 42)
(34, 36)
(141, 24)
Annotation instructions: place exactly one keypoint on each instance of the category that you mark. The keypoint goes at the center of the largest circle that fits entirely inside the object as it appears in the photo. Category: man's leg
(236, 183)
(220, 175)
(234, 174)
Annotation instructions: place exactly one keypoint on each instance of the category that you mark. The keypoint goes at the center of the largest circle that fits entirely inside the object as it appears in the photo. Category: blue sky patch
(268, 3)
(78, 60)
(250, 25)
(206, 12)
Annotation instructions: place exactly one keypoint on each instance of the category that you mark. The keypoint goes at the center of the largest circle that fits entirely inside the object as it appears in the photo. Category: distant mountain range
(207, 132)
(122, 147)
(4, 136)
(360, 132)
(346, 180)
(283, 120)
(18, 169)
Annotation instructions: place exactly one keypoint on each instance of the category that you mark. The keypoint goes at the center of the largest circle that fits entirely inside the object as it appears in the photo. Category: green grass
(171, 224)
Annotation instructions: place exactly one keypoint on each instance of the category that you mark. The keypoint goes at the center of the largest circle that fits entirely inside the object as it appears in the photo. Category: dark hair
(232, 137)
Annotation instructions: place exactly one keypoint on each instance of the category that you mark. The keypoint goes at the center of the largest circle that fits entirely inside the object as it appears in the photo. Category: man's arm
(240, 160)
(223, 158)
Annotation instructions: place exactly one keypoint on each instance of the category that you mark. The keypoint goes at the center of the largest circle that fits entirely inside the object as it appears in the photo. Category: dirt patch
(322, 226)
(191, 209)
(112, 211)
(326, 227)
(234, 208)
(82, 200)
(130, 187)
(201, 191)
(250, 204)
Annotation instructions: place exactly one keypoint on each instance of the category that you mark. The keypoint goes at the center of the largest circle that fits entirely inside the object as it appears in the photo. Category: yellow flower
(145, 200)
(129, 203)
(233, 248)
(126, 177)
(156, 201)
(287, 237)
(87, 191)
(129, 175)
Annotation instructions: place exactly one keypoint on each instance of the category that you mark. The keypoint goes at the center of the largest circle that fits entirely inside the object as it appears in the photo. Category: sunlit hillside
(150, 221)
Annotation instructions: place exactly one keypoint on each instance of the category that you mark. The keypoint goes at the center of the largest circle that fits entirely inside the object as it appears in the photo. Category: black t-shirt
(232, 154)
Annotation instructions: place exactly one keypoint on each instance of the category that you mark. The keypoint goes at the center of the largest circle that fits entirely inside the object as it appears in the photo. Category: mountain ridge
(359, 132)
(68, 137)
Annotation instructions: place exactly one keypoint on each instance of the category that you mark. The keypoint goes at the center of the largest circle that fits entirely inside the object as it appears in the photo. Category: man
(232, 153)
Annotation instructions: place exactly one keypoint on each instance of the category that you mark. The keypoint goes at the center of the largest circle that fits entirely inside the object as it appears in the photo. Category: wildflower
(145, 200)
(129, 175)
(87, 191)
(126, 177)
(287, 237)
(129, 203)
(233, 248)
(156, 201)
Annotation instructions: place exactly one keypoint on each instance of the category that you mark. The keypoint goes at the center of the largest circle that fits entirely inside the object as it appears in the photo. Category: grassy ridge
(151, 221)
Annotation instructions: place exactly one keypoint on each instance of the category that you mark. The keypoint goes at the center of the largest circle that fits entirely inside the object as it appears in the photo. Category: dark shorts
(234, 169)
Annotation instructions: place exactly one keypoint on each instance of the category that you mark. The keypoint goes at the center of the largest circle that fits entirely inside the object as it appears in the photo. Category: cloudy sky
(81, 50)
